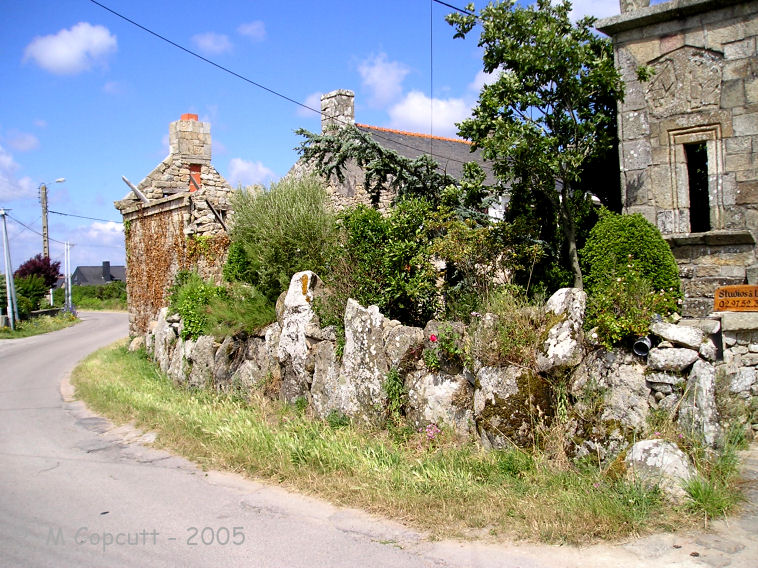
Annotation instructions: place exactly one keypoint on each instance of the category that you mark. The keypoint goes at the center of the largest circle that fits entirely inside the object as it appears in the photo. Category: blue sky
(87, 96)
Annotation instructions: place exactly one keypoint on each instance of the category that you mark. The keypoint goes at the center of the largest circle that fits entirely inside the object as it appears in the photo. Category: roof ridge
(416, 134)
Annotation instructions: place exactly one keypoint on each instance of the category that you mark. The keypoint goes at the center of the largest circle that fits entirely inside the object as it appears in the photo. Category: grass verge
(448, 489)
(38, 325)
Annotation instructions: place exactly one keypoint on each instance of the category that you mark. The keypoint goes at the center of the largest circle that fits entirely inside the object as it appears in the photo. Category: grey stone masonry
(696, 114)
(337, 109)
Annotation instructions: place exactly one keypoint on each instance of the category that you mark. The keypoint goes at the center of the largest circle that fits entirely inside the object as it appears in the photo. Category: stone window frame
(711, 135)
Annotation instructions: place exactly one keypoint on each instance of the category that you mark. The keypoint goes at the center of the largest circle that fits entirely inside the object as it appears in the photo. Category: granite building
(688, 134)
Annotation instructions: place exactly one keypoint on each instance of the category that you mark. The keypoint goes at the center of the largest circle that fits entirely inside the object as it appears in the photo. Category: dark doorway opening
(697, 170)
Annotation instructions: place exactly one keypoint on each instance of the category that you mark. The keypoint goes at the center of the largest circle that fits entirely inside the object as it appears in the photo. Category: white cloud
(256, 30)
(383, 78)
(597, 8)
(212, 43)
(11, 187)
(482, 78)
(40, 123)
(244, 173)
(313, 101)
(72, 51)
(413, 113)
(22, 141)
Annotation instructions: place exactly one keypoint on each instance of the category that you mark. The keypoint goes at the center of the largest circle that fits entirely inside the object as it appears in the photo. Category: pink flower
(433, 338)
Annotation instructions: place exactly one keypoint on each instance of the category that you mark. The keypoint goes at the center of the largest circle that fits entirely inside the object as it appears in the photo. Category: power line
(27, 227)
(82, 217)
(255, 83)
(461, 10)
(195, 54)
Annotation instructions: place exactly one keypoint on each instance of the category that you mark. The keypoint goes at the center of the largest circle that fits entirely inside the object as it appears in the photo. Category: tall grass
(443, 487)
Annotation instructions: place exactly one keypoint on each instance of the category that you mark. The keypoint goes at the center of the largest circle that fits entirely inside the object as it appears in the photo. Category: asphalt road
(77, 491)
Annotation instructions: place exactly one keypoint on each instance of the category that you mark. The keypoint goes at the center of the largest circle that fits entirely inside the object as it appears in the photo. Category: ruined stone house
(688, 134)
(175, 219)
(338, 109)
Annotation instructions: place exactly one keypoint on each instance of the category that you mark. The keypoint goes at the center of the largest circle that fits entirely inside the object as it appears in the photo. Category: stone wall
(703, 92)
(608, 396)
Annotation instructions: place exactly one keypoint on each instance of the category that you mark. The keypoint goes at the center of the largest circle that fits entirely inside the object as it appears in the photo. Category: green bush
(622, 244)
(32, 288)
(284, 230)
(630, 276)
(190, 297)
(384, 261)
(110, 296)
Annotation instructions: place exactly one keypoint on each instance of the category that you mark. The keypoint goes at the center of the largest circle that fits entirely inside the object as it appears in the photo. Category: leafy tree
(41, 266)
(333, 151)
(549, 110)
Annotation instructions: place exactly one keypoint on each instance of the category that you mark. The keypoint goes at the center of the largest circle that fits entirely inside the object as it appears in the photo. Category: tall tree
(549, 108)
(40, 266)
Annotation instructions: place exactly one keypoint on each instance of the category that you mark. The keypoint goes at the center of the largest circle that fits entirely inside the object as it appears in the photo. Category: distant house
(98, 275)
(338, 109)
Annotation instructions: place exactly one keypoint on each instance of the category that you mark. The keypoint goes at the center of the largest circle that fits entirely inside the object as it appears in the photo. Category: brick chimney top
(189, 116)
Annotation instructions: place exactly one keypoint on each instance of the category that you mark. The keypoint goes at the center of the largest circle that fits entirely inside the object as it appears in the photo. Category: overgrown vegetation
(509, 493)
(208, 309)
(631, 277)
(283, 230)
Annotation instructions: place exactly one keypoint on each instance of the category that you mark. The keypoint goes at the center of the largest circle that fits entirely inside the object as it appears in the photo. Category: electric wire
(461, 10)
(28, 228)
(255, 83)
(82, 217)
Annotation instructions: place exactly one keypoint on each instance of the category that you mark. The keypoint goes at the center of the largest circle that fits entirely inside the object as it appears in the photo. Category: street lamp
(43, 200)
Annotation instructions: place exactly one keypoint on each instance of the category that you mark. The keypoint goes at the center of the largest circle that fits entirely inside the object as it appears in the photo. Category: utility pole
(43, 201)
(9, 285)
(45, 236)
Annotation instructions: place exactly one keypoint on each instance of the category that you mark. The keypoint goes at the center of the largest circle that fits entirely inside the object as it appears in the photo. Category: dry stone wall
(701, 374)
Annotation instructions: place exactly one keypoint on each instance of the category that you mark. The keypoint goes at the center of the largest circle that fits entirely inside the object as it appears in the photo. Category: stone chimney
(106, 271)
(338, 109)
(190, 139)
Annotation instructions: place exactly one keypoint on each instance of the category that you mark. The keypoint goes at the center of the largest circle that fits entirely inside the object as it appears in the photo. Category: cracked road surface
(75, 490)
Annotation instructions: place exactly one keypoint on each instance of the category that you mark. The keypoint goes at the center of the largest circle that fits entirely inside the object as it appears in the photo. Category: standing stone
(508, 402)
(202, 359)
(697, 413)
(364, 364)
(563, 346)
(293, 346)
(440, 398)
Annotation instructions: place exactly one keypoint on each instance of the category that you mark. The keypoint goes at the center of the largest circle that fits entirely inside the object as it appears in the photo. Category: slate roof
(450, 153)
(93, 275)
